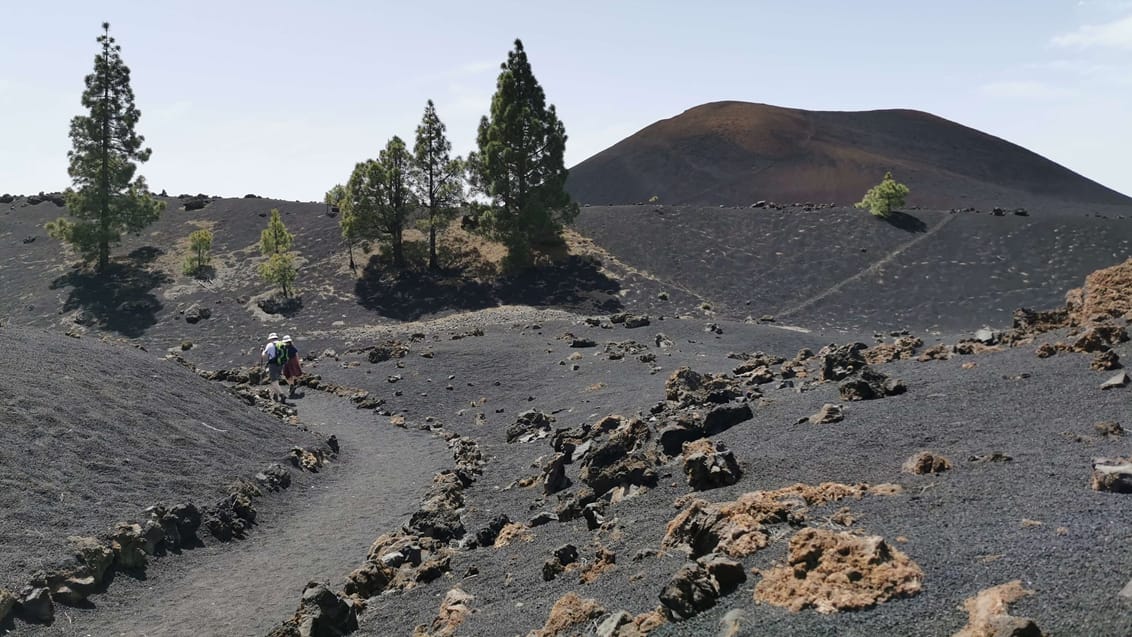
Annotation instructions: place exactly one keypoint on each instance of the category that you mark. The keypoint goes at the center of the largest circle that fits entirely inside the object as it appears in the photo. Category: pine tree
(336, 198)
(274, 243)
(200, 242)
(884, 197)
(379, 199)
(275, 238)
(519, 165)
(107, 197)
(437, 178)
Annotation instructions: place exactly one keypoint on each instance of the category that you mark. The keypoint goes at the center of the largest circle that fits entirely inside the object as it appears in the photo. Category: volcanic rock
(926, 462)
(698, 585)
(708, 465)
(988, 617)
(1112, 474)
(568, 615)
(838, 362)
(869, 384)
(529, 425)
(832, 571)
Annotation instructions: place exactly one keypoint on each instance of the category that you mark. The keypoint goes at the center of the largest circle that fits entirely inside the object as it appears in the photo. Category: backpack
(281, 353)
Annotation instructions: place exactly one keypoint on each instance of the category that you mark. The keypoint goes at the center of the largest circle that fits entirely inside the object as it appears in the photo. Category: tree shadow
(905, 221)
(121, 299)
(408, 295)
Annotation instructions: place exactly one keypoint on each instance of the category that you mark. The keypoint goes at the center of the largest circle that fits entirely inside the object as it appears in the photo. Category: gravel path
(320, 530)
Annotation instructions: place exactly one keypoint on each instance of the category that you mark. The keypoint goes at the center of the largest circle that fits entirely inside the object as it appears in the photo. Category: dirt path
(323, 533)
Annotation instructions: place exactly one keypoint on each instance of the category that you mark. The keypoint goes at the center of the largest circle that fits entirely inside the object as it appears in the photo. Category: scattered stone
(488, 535)
(903, 348)
(389, 350)
(530, 425)
(1105, 361)
(541, 518)
(1112, 474)
(833, 571)
(995, 456)
(1119, 380)
(1109, 428)
(620, 458)
(603, 560)
(7, 598)
(563, 556)
(829, 413)
(663, 341)
(869, 384)
(513, 532)
(35, 604)
(839, 362)
(554, 477)
(1100, 337)
(986, 336)
(568, 615)
(926, 462)
(1045, 350)
(454, 610)
(197, 314)
(321, 613)
(987, 616)
(708, 466)
(635, 321)
(127, 542)
(274, 478)
(698, 585)
(616, 351)
(935, 353)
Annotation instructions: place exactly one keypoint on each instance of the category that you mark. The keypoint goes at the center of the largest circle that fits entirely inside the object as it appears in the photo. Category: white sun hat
(287, 338)
(272, 336)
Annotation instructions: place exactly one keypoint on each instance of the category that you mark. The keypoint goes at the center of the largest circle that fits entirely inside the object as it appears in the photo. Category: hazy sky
(281, 98)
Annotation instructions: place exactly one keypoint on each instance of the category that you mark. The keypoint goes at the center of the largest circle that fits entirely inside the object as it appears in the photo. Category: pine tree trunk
(432, 265)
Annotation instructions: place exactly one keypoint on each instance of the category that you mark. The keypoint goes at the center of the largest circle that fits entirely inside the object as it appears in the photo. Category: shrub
(884, 197)
(200, 242)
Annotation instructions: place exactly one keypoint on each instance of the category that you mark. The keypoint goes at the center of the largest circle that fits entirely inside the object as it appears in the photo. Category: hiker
(275, 355)
(291, 369)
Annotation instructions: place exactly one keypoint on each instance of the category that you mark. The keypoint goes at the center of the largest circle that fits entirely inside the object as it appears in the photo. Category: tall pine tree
(437, 177)
(519, 165)
(107, 197)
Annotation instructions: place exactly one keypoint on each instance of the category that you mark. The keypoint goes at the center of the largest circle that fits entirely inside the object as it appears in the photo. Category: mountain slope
(736, 153)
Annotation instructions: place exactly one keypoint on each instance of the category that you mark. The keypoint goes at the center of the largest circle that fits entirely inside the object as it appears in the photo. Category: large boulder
(35, 604)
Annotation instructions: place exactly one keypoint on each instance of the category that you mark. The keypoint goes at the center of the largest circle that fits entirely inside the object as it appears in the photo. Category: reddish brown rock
(926, 462)
(987, 616)
(831, 571)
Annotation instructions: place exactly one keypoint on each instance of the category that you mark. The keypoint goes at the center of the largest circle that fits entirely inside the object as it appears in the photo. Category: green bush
(200, 242)
(884, 197)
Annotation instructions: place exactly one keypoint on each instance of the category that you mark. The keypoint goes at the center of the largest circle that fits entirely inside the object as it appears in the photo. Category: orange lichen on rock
(513, 532)
(988, 616)
(604, 561)
(1107, 292)
(569, 612)
(834, 571)
(453, 611)
(738, 528)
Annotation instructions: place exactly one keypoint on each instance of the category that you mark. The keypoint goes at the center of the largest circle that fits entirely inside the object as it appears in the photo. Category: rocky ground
(623, 455)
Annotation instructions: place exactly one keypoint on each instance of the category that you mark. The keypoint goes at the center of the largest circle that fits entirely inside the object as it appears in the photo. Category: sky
(282, 98)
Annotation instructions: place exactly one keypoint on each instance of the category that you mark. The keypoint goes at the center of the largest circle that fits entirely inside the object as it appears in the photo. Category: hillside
(512, 445)
(736, 153)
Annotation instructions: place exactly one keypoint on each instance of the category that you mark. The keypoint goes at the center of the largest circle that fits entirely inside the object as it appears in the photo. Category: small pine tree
(520, 164)
(108, 197)
(274, 242)
(279, 269)
(884, 197)
(275, 239)
(200, 242)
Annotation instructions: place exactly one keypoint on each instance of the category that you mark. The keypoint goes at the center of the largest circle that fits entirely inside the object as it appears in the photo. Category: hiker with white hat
(275, 355)
(291, 369)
